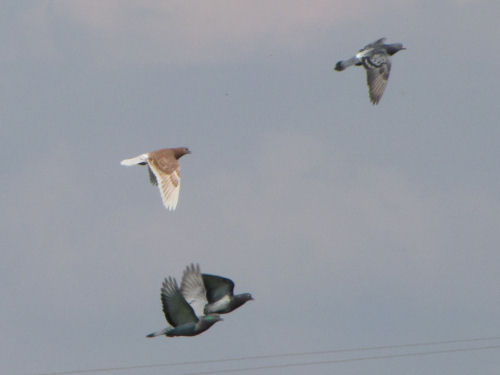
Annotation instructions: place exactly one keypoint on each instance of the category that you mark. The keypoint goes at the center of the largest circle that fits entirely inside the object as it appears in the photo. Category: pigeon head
(240, 299)
(180, 151)
(247, 297)
(393, 48)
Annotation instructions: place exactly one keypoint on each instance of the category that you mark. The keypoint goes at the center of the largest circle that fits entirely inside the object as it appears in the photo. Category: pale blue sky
(352, 225)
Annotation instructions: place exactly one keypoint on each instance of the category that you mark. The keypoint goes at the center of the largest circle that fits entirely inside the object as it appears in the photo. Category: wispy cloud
(187, 31)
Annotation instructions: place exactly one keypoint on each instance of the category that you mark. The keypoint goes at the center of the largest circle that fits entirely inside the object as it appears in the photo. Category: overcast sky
(351, 224)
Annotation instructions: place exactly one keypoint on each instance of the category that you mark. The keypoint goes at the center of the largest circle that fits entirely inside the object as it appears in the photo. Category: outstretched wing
(168, 178)
(376, 43)
(193, 289)
(217, 287)
(378, 67)
(176, 309)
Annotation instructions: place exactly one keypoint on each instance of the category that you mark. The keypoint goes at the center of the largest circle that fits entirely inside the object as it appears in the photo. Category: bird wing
(217, 287)
(168, 177)
(376, 43)
(152, 177)
(193, 289)
(378, 67)
(176, 309)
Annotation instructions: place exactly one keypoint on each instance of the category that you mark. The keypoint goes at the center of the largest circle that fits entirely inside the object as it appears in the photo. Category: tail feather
(160, 333)
(341, 65)
(141, 159)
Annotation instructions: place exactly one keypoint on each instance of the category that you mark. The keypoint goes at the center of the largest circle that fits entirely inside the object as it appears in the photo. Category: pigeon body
(164, 171)
(375, 57)
(180, 315)
(210, 293)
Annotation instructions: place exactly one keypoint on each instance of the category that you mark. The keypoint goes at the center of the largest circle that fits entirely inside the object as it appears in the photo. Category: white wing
(169, 185)
(193, 289)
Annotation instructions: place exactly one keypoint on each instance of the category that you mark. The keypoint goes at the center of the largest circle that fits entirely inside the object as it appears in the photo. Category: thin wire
(334, 361)
(271, 356)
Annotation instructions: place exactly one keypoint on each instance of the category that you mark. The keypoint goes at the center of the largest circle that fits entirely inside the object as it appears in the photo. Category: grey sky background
(351, 225)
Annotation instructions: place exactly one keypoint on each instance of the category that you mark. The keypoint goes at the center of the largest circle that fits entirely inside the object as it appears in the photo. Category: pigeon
(164, 171)
(180, 315)
(375, 57)
(210, 293)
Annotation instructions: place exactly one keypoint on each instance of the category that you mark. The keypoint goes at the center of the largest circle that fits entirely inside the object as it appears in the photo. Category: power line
(302, 364)
(273, 356)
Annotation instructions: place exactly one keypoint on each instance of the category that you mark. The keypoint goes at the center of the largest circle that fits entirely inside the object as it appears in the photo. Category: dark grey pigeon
(209, 293)
(180, 315)
(375, 57)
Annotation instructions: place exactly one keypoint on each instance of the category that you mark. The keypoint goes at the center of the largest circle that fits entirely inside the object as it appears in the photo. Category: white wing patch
(365, 51)
(220, 304)
(169, 185)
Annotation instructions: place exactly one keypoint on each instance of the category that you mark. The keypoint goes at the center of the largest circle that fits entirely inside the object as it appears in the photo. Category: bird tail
(341, 65)
(160, 333)
(141, 159)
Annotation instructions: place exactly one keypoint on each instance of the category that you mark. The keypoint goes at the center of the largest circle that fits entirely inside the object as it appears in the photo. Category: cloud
(187, 31)
(198, 31)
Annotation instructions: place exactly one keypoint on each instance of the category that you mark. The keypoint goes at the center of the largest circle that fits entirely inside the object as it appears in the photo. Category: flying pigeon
(209, 293)
(164, 171)
(180, 315)
(375, 57)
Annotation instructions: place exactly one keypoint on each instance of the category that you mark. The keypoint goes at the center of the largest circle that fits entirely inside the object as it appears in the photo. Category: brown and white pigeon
(375, 57)
(164, 171)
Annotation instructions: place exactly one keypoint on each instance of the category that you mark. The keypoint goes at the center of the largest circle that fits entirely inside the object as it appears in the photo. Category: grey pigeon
(375, 57)
(164, 171)
(210, 293)
(180, 315)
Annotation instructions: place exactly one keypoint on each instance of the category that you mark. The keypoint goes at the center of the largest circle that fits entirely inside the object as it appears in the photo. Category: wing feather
(217, 287)
(169, 183)
(378, 67)
(193, 289)
(176, 309)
